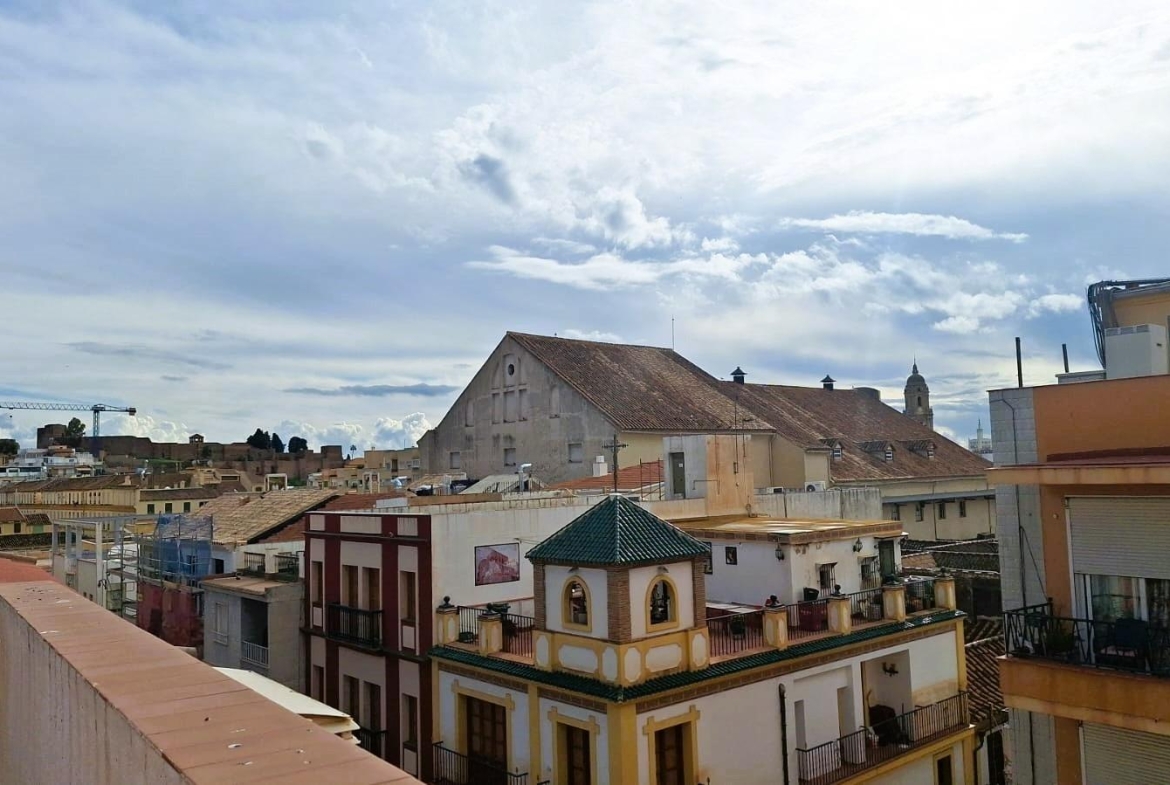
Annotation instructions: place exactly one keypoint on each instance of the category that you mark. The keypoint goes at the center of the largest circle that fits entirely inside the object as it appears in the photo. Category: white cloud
(918, 224)
(145, 425)
(342, 433)
(1055, 303)
(393, 434)
(571, 247)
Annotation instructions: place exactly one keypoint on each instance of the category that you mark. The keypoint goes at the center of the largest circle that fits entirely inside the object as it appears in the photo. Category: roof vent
(828, 382)
(737, 375)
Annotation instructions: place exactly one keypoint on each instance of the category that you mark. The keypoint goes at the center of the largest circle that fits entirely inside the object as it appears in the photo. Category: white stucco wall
(364, 668)
(456, 533)
(757, 574)
(518, 722)
(555, 580)
(640, 579)
(921, 772)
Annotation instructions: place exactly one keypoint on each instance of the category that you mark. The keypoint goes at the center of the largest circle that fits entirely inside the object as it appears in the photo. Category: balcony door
(576, 752)
(487, 742)
(670, 756)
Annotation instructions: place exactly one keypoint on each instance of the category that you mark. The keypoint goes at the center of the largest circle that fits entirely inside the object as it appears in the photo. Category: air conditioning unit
(773, 489)
(819, 485)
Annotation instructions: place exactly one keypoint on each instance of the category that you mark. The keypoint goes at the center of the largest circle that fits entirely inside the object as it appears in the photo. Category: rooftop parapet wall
(86, 697)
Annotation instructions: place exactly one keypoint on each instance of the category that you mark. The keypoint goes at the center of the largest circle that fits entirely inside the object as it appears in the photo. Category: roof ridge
(515, 334)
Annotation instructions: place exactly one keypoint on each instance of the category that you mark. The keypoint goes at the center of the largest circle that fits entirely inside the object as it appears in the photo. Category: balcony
(1132, 645)
(288, 566)
(253, 565)
(849, 755)
(372, 741)
(254, 656)
(733, 630)
(452, 768)
(354, 625)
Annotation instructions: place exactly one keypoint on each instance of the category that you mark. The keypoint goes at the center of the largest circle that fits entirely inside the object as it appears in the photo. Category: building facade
(252, 620)
(554, 405)
(628, 672)
(1083, 493)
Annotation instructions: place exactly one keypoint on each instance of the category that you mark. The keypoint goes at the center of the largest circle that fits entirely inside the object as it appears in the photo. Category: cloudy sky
(319, 217)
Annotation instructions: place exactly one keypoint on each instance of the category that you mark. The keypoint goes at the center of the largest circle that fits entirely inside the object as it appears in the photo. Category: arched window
(576, 605)
(661, 602)
(919, 401)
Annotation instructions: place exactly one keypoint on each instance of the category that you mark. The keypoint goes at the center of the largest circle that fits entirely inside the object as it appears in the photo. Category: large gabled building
(556, 404)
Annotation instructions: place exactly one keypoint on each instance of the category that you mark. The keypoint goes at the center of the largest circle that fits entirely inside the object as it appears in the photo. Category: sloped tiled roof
(982, 628)
(11, 515)
(176, 494)
(810, 415)
(243, 517)
(361, 501)
(617, 531)
(639, 388)
(96, 483)
(983, 676)
(629, 478)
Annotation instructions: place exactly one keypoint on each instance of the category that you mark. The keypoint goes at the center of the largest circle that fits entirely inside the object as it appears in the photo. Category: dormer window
(837, 451)
(662, 610)
(889, 453)
(576, 605)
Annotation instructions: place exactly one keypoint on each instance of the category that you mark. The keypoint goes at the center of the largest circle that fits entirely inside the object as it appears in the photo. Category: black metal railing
(452, 768)
(518, 634)
(920, 595)
(841, 758)
(469, 623)
(253, 564)
(372, 741)
(808, 618)
(1133, 645)
(354, 625)
(735, 633)
(288, 566)
(866, 605)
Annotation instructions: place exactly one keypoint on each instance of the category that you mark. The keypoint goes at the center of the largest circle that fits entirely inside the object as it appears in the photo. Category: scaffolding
(177, 551)
(108, 545)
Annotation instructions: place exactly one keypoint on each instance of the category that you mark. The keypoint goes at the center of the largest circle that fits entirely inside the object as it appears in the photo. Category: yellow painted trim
(621, 730)
(590, 726)
(534, 760)
(671, 623)
(911, 756)
(507, 701)
(689, 718)
(565, 616)
(969, 760)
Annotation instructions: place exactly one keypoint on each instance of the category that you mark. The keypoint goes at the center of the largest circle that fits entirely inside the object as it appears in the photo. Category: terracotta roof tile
(638, 388)
(11, 515)
(21, 572)
(361, 501)
(983, 676)
(242, 517)
(629, 478)
(809, 416)
(176, 494)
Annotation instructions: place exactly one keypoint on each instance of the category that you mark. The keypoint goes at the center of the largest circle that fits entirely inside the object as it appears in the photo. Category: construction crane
(96, 408)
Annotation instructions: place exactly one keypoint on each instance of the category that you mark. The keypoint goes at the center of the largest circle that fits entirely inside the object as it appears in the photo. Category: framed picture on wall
(497, 563)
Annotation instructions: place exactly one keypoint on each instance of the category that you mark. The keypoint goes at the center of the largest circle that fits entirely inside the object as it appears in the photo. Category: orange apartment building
(1083, 498)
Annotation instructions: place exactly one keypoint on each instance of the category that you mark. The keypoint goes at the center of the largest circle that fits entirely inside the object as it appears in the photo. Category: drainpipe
(784, 734)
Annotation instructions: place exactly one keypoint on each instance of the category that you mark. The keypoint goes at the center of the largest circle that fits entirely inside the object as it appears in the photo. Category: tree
(260, 440)
(74, 433)
(205, 453)
(297, 445)
(352, 450)
(277, 444)
(9, 447)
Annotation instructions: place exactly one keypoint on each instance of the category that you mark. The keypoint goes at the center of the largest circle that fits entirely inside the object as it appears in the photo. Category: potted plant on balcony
(738, 627)
(1059, 641)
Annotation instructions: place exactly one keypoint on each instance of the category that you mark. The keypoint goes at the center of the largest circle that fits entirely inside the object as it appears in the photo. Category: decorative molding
(653, 725)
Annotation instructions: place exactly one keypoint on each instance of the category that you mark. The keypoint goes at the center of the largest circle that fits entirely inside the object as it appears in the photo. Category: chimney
(737, 375)
(827, 382)
(599, 467)
(870, 392)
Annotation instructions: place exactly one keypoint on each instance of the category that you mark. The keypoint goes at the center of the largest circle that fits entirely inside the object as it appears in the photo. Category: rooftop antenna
(672, 333)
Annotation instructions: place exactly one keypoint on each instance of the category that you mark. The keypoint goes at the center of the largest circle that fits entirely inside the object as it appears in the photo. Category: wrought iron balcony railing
(849, 755)
(453, 768)
(1134, 645)
(354, 625)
